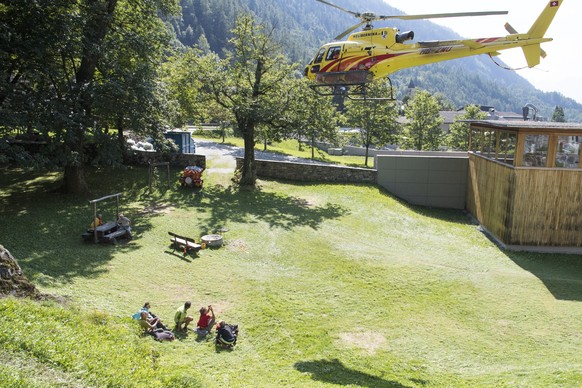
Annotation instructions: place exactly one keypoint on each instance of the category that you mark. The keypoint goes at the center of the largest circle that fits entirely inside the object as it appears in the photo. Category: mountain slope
(303, 25)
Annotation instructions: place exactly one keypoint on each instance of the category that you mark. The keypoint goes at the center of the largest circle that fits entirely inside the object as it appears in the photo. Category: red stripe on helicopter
(341, 64)
(361, 62)
(554, 3)
(370, 62)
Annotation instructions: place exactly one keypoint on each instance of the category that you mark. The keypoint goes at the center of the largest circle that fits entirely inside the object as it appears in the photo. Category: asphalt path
(219, 154)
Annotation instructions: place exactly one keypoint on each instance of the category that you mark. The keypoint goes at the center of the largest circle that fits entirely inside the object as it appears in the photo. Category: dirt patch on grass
(369, 342)
(156, 208)
(305, 202)
(237, 245)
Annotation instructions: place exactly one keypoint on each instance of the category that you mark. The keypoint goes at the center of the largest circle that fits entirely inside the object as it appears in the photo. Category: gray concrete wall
(424, 179)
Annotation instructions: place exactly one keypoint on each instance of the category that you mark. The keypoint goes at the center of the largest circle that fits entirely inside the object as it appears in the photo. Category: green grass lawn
(330, 284)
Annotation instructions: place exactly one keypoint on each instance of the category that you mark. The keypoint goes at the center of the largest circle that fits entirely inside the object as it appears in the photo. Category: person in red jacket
(206, 320)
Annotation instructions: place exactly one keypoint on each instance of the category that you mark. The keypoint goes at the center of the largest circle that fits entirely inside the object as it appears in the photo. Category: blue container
(184, 141)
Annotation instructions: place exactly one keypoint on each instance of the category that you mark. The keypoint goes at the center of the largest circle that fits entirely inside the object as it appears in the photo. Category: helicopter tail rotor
(512, 30)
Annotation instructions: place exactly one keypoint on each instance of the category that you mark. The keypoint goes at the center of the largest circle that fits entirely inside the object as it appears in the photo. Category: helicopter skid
(353, 92)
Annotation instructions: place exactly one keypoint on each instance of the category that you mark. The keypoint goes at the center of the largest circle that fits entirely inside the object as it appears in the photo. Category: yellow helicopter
(378, 52)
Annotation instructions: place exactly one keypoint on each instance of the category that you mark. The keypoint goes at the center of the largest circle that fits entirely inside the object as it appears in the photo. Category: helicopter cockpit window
(319, 56)
(333, 53)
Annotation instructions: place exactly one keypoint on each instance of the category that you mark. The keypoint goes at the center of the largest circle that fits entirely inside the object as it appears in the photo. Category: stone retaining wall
(177, 160)
(309, 172)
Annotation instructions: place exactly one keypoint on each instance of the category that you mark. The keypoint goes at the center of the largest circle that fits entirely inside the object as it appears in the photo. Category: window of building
(535, 151)
(568, 152)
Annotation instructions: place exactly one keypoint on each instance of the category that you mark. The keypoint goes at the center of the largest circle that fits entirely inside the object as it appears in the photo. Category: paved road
(223, 155)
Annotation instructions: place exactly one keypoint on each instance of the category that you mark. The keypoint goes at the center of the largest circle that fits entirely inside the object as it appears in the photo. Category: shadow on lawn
(334, 372)
(451, 215)
(278, 210)
(44, 228)
(560, 273)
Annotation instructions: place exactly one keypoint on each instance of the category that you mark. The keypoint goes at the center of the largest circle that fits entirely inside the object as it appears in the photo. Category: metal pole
(94, 223)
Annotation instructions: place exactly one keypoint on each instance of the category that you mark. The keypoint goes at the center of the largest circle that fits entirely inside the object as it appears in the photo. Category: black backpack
(163, 335)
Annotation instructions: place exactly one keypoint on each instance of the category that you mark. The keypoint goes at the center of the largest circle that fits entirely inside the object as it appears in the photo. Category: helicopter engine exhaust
(404, 36)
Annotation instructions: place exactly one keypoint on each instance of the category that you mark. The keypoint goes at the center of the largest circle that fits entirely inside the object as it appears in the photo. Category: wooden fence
(526, 206)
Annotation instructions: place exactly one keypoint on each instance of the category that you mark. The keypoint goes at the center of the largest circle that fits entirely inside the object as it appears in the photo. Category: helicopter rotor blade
(369, 17)
(440, 15)
(356, 14)
(349, 30)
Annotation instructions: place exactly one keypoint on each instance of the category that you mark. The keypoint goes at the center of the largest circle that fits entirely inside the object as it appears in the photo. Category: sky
(559, 71)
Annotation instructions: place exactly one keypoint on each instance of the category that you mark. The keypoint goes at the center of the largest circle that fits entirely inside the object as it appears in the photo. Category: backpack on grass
(163, 335)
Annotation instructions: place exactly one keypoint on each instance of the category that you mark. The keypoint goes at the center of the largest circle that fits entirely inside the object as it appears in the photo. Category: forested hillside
(303, 25)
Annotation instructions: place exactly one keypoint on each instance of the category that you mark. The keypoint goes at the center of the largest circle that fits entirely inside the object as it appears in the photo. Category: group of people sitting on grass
(226, 334)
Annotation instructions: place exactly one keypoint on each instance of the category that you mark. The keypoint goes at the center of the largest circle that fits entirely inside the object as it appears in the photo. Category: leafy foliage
(374, 117)
(73, 69)
(423, 131)
(459, 132)
(558, 115)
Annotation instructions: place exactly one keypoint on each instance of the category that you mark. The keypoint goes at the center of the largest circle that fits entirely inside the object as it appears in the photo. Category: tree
(312, 117)
(249, 83)
(458, 137)
(374, 116)
(81, 66)
(558, 116)
(423, 130)
(180, 74)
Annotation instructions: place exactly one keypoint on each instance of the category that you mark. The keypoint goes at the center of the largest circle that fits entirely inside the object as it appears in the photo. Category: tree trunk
(99, 18)
(74, 180)
(368, 141)
(247, 127)
(366, 159)
(121, 138)
(249, 169)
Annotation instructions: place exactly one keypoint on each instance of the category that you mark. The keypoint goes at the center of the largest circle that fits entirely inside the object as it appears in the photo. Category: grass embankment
(331, 284)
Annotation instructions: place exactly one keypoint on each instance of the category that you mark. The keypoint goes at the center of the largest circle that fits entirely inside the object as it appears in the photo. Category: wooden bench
(113, 235)
(184, 243)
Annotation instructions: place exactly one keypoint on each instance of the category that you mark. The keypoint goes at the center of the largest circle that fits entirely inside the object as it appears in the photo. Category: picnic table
(108, 232)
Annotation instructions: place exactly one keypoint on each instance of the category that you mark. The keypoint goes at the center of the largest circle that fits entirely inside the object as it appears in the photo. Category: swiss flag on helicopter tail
(554, 3)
